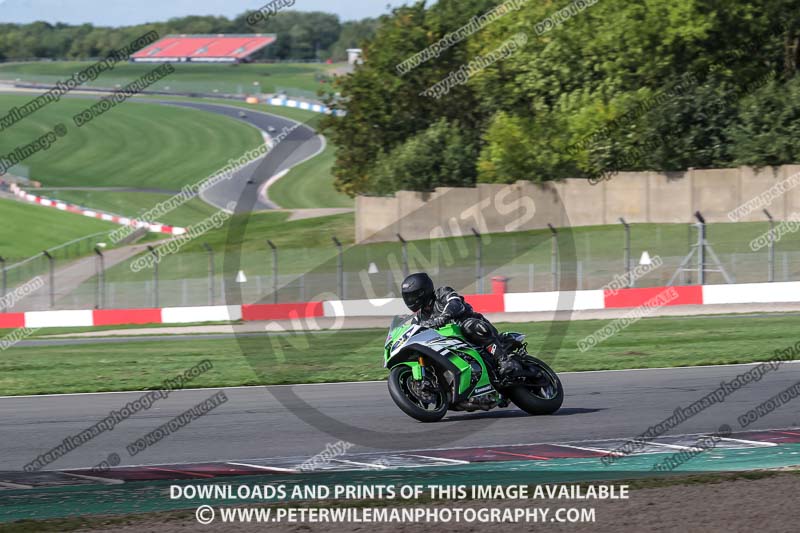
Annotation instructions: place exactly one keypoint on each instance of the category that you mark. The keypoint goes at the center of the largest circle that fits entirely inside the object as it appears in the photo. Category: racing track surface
(268, 422)
(300, 144)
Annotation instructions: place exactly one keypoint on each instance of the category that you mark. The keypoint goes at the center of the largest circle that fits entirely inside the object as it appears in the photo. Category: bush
(439, 156)
(768, 129)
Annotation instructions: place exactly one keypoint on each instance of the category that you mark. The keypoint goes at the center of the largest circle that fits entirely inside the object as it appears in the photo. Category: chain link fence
(576, 259)
(45, 265)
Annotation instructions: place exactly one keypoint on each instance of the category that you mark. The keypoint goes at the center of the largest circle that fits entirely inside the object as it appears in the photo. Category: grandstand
(203, 48)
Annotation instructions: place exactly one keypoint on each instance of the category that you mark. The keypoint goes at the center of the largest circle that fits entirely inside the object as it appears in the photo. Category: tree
(767, 130)
(440, 156)
(384, 107)
(353, 35)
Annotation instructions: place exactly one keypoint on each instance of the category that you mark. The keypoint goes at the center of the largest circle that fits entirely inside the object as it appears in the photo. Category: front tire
(402, 392)
(538, 400)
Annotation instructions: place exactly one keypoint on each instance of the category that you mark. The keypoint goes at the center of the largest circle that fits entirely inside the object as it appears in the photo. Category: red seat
(186, 47)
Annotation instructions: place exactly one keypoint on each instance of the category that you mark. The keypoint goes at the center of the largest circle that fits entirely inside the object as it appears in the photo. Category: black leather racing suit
(449, 307)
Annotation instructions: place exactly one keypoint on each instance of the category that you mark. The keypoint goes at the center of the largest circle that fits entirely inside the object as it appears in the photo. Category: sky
(129, 12)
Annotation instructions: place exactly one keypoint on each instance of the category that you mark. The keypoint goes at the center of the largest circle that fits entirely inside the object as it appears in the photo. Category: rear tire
(538, 400)
(405, 399)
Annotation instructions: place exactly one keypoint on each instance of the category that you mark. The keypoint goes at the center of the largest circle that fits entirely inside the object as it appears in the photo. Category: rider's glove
(434, 323)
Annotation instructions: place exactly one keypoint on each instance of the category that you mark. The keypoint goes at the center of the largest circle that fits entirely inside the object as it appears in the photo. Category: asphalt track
(301, 143)
(281, 421)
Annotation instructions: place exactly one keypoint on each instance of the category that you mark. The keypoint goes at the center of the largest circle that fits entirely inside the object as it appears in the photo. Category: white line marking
(454, 461)
(598, 450)
(270, 468)
(296, 123)
(14, 485)
(676, 446)
(107, 481)
(263, 193)
(751, 442)
(368, 465)
(404, 452)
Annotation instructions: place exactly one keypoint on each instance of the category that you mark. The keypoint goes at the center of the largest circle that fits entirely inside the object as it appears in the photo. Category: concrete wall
(670, 197)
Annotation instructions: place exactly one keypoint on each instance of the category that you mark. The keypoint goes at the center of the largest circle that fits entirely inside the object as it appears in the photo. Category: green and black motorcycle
(432, 371)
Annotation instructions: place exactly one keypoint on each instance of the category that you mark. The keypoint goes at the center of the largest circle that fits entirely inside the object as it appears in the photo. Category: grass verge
(132, 204)
(357, 355)
(27, 229)
(310, 184)
(205, 78)
(136, 145)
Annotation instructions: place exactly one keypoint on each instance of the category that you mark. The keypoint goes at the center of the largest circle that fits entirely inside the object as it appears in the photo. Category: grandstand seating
(203, 48)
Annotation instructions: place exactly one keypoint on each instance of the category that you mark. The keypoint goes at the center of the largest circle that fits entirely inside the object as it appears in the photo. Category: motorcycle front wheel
(425, 406)
(542, 398)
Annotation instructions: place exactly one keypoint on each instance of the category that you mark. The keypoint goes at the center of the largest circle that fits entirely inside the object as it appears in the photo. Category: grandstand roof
(205, 48)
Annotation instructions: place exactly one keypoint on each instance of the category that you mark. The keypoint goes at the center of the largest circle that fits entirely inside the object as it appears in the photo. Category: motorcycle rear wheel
(538, 400)
(408, 402)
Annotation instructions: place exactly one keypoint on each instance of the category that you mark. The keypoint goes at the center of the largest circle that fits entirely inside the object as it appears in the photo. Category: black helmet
(417, 290)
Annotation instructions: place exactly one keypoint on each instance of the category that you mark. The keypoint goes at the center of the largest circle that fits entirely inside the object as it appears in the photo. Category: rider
(435, 308)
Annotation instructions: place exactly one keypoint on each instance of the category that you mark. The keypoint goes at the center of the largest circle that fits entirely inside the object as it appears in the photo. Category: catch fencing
(580, 258)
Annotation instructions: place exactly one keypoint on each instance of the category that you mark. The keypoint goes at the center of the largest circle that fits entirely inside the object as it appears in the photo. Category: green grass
(302, 244)
(300, 78)
(310, 184)
(305, 246)
(132, 145)
(27, 229)
(131, 204)
(136, 135)
(357, 355)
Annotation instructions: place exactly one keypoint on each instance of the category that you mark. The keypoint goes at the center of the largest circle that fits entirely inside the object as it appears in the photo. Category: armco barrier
(282, 311)
(752, 293)
(522, 302)
(12, 320)
(306, 106)
(690, 295)
(113, 317)
(498, 302)
(116, 219)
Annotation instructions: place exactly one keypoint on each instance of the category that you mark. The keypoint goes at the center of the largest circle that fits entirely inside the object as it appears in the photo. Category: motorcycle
(432, 371)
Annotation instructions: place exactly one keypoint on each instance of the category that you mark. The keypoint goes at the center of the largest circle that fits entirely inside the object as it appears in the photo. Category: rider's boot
(508, 365)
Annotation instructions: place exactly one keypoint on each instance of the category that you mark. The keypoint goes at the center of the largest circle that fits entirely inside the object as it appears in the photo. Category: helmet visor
(414, 300)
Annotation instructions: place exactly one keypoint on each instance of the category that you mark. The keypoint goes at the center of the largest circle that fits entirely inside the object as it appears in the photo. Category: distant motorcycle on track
(432, 371)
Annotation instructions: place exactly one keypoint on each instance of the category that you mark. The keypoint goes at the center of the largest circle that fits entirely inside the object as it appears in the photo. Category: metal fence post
(701, 242)
(627, 251)
(52, 267)
(100, 271)
(211, 273)
(478, 261)
(4, 282)
(155, 275)
(405, 255)
(554, 256)
(274, 270)
(771, 260)
(339, 268)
